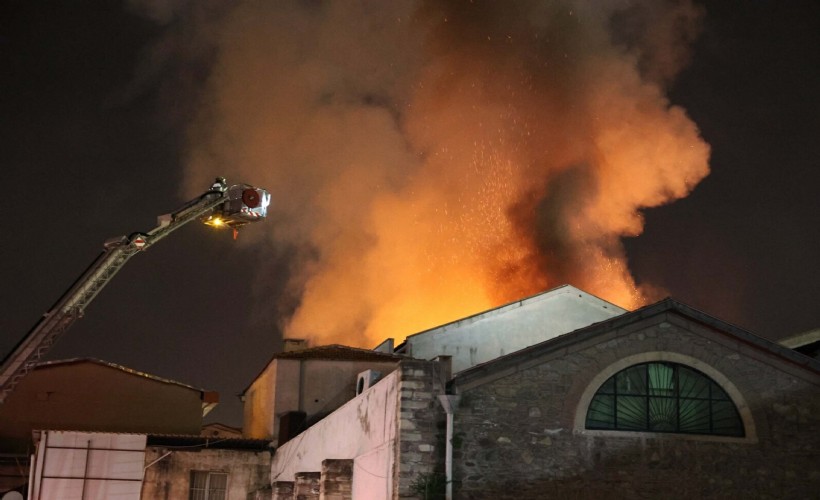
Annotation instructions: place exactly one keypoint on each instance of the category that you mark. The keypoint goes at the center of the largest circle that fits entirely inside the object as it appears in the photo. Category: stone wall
(520, 433)
(421, 425)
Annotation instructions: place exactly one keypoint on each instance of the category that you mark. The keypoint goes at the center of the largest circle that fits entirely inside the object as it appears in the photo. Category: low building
(300, 387)
(75, 465)
(93, 395)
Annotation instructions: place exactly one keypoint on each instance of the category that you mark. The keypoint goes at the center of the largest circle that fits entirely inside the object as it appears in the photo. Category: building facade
(302, 386)
(86, 394)
(661, 402)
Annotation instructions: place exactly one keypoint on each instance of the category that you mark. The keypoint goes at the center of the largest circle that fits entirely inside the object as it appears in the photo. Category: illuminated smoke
(431, 160)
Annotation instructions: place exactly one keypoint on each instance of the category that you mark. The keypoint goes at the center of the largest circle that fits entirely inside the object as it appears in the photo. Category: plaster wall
(275, 391)
(521, 431)
(314, 386)
(169, 478)
(328, 384)
(363, 429)
(501, 331)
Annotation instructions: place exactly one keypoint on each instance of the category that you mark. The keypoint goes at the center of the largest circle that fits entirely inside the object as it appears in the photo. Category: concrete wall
(314, 386)
(501, 331)
(275, 389)
(393, 433)
(360, 428)
(93, 397)
(521, 433)
(169, 478)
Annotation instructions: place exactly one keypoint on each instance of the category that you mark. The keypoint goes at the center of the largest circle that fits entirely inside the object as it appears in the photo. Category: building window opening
(207, 485)
(663, 397)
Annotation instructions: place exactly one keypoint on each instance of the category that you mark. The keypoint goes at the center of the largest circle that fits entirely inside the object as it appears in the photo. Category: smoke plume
(429, 160)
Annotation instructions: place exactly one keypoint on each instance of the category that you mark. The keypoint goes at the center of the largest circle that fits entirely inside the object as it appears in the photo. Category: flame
(429, 160)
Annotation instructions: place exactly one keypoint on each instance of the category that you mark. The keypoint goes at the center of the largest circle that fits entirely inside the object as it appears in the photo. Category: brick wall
(517, 436)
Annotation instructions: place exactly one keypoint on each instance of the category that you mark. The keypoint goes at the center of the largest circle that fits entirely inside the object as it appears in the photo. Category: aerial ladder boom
(221, 206)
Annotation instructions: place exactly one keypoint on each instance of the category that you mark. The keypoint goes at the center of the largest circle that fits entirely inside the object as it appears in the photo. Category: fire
(427, 162)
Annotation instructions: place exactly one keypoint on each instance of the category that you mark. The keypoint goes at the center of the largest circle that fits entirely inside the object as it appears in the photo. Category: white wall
(510, 328)
(364, 429)
(315, 386)
(87, 465)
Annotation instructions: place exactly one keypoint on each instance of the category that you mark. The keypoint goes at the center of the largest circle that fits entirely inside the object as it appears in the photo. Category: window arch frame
(665, 357)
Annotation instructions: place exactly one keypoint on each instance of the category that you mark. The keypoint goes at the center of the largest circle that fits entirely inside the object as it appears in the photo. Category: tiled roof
(332, 352)
(338, 352)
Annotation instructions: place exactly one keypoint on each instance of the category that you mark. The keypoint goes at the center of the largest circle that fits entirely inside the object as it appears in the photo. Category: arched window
(663, 397)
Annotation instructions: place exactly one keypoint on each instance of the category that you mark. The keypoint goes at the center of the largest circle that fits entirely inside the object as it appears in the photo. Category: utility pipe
(449, 403)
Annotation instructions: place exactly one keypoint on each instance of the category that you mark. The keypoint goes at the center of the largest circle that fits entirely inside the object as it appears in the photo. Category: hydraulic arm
(220, 206)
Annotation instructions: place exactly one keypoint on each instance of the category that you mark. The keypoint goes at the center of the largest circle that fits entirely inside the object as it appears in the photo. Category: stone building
(661, 402)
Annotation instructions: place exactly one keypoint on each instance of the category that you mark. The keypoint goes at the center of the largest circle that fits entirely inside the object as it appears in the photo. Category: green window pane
(718, 393)
(694, 415)
(661, 379)
(663, 397)
(725, 419)
(601, 414)
(663, 414)
(608, 387)
(631, 413)
(693, 384)
(631, 381)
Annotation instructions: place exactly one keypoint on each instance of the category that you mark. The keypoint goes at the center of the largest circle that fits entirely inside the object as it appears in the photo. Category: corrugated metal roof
(182, 442)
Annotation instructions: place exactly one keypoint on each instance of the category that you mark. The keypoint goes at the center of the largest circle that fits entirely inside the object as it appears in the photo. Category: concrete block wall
(169, 475)
(516, 436)
(421, 425)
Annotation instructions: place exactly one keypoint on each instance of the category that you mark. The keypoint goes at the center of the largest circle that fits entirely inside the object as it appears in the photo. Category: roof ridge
(117, 366)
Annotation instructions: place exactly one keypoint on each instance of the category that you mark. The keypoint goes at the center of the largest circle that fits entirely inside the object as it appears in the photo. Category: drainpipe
(449, 403)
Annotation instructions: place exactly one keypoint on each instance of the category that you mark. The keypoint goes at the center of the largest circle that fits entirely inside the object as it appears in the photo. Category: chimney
(290, 345)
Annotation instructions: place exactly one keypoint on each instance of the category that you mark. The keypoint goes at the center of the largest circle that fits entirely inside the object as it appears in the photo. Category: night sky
(92, 145)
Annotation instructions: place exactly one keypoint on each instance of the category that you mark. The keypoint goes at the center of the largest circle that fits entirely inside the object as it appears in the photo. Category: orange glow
(426, 170)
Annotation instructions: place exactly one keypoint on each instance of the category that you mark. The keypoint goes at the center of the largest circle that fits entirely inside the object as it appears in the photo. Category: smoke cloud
(429, 160)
